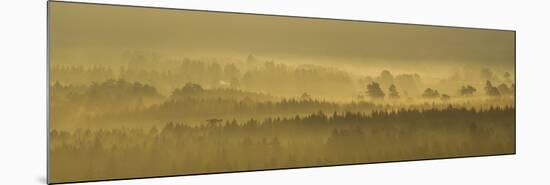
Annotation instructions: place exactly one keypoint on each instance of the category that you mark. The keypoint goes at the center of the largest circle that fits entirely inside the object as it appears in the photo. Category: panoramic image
(147, 92)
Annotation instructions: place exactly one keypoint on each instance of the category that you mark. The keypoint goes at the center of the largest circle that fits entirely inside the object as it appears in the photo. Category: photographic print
(140, 92)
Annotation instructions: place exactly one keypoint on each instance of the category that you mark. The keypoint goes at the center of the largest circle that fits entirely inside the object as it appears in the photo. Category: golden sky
(77, 28)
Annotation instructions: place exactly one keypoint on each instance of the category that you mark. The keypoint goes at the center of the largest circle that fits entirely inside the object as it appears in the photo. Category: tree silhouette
(305, 97)
(490, 89)
(385, 78)
(392, 92)
(467, 90)
(430, 93)
(191, 88)
(504, 89)
(374, 91)
(214, 121)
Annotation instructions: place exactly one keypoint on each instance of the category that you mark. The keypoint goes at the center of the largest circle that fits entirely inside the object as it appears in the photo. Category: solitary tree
(467, 90)
(305, 97)
(385, 78)
(374, 91)
(430, 93)
(392, 92)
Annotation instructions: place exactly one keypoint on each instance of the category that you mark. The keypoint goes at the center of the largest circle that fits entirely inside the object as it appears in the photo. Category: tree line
(314, 139)
(374, 91)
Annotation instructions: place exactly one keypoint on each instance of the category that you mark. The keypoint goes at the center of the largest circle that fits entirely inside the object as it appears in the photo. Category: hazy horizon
(106, 32)
(141, 92)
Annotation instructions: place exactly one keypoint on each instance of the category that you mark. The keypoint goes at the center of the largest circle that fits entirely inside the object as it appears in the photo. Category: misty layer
(317, 139)
(141, 92)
